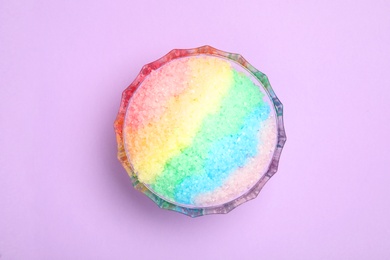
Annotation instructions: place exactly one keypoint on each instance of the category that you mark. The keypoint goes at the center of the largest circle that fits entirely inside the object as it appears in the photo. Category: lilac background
(64, 64)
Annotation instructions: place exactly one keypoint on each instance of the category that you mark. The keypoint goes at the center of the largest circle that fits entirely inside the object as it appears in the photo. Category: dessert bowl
(200, 131)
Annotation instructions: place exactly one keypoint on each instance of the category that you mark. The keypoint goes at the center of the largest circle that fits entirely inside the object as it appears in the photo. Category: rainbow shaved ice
(199, 132)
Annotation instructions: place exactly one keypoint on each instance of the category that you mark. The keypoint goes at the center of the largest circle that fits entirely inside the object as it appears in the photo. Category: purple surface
(63, 66)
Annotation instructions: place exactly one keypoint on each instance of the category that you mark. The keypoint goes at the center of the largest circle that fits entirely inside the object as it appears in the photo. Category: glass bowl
(200, 131)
